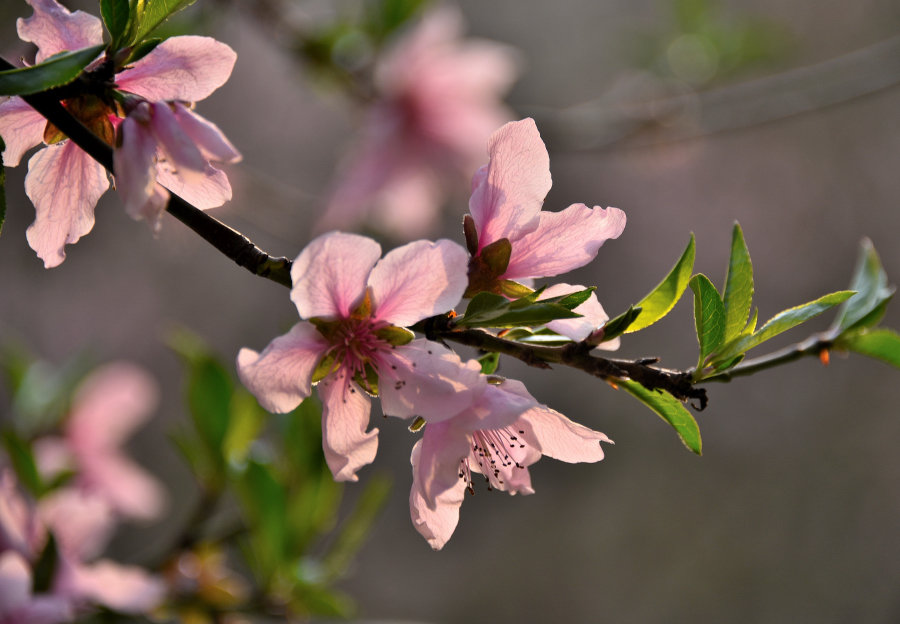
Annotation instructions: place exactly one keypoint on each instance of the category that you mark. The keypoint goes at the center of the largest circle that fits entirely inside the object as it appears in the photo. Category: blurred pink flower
(438, 100)
(18, 603)
(507, 195)
(502, 433)
(63, 182)
(109, 405)
(355, 304)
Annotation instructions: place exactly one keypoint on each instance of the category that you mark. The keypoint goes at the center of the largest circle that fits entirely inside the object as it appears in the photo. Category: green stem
(814, 345)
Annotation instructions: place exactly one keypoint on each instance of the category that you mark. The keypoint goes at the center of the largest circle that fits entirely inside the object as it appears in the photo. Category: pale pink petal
(424, 378)
(175, 147)
(109, 406)
(436, 524)
(125, 486)
(418, 280)
(593, 316)
(408, 205)
(436, 459)
(47, 609)
(82, 523)
(280, 377)
(209, 190)
(19, 526)
(345, 418)
(135, 166)
(64, 183)
(507, 200)
(53, 456)
(206, 136)
(53, 29)
(21, 127)
(564, 241)
(330, 274)
(186, 68)
(558, 437)
(128, 589)
(15, 582)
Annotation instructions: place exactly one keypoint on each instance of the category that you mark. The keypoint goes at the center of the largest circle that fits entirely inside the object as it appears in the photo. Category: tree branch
(814, 345)
(224, 238)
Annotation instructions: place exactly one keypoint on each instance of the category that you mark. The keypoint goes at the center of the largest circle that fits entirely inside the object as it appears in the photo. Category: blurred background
(688, 115)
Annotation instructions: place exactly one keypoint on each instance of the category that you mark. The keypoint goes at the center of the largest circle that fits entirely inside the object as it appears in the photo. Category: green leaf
(139, 51)
(617, 326)
(883, 344)
(663, 298)
(148, 14)
(867, 306)
(45, 566)
(209, 399)
(670, 410)
(245, 424)
(116, 15)
(263, 501)
(490, 310)
(58, 70)
(2, 186)
(782, 322)
(573, 300)
(22, 460)
(489, 363)
(357, 526)
(709, 316)
(738, 286)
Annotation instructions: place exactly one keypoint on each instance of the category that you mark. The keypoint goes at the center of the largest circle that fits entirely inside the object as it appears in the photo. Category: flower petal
(186, 68)
(82, 523)
(206, 136)
(593, 316)
(280, 376)
(437, 457)
(124, 588)
(558, 437)
(53, 29)
(427, 379)
(345, 418)
(21, 127)
(436, 524)
(64, 183)
(508, 196)
(15, 582)
(418, 280)
(125, 486)
(209, 190)
(135, 165)
(564, 241)
(331, 273)
(174, 145)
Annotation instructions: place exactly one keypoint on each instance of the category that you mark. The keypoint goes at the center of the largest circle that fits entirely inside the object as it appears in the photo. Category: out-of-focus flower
(355, 306)
(502, 433)
(63, 182)
(438, 100)
(507, 233)
(109, 405)
(18, 603)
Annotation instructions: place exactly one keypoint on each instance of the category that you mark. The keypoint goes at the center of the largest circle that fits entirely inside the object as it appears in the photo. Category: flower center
(496, 454)
(355, 344)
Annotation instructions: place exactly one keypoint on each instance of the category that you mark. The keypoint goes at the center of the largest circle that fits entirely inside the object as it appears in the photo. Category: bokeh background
(793, 512)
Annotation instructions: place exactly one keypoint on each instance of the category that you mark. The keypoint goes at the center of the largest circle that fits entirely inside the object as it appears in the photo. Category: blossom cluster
(144, 111)
(353, 340)
(100, 487)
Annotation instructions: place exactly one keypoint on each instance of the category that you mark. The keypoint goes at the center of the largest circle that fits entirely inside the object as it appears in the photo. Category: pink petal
(593, 316)
(135, 166)
(125, 486)
(508, 197)
(21, 127)
(424, 378)
(330, 274)
(175, 147)
(437, 457)
(64, 183)
(408, 203)
(436, 524)
(564, 241)
(15, 582)
(124, 588)
(345, 418)
(560, 438)
(209, 190)
(53, 29)
(47, 610)
(418, 280)
(206, 136)
(82, 523)
(19, 526)
(186, 68)
(280, 376)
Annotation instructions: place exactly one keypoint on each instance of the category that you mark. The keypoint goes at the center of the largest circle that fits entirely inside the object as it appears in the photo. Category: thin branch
(224, 238)
(812, 346)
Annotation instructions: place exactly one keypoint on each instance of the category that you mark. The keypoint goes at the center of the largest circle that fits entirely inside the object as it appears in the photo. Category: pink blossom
(18, 604)
(63, 182)
(507, 195)
(108, 407)
(593, 316)
(354, 305)
(502, 433)
(437, 101)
